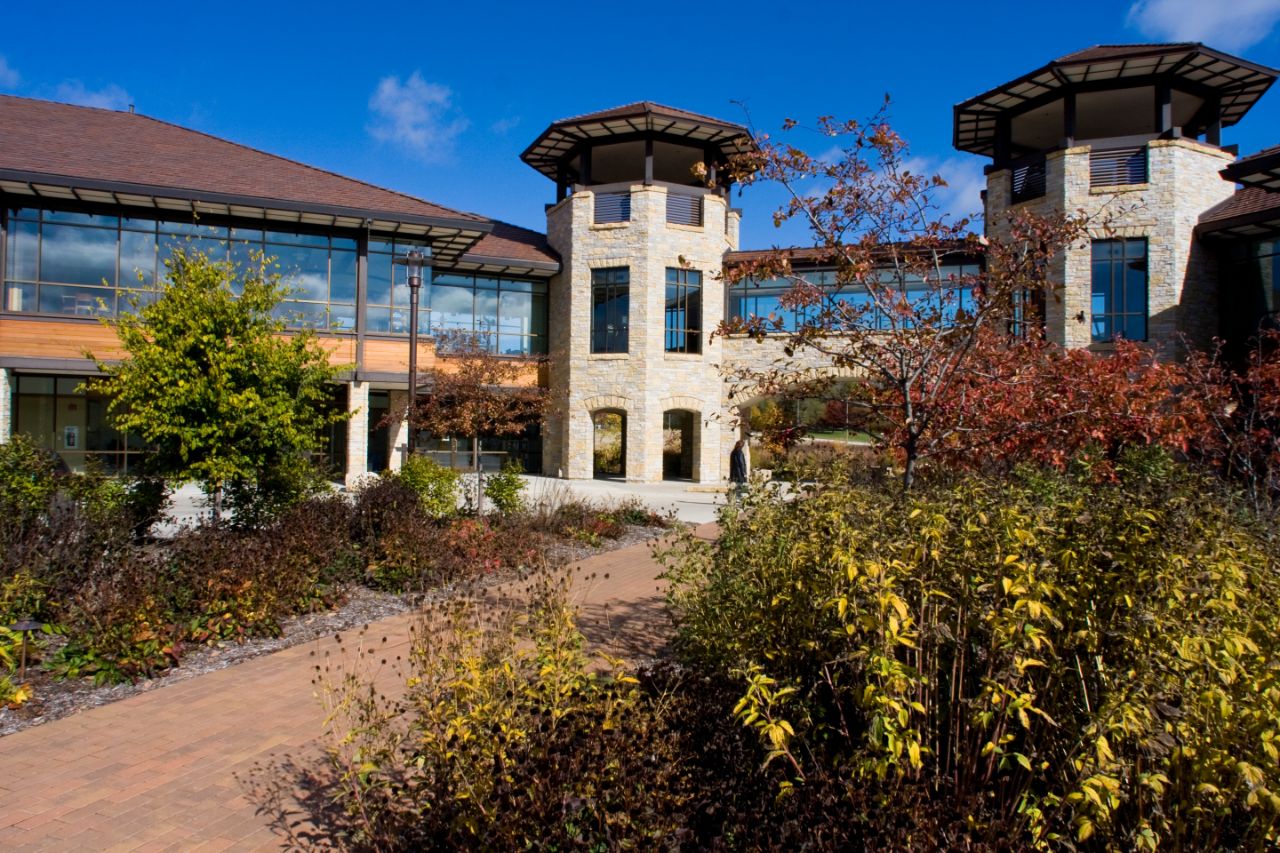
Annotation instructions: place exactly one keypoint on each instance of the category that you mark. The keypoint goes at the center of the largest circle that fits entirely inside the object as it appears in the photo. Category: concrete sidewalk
(158, 771)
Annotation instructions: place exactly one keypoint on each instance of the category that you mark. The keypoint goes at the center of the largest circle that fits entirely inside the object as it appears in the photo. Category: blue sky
(439, 99)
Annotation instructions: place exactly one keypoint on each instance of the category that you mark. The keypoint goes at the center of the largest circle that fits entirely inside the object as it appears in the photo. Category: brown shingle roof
(514, 243)
(562, 138)
(67, 144)
(1238, 82)
(105, 145)
(1120, 51)
(639, 108)
(1249, 207)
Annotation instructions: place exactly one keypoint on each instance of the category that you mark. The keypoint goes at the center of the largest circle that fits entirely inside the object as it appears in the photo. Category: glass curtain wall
(508, 314)
(763, 298)
(58, 417)
(95, 265)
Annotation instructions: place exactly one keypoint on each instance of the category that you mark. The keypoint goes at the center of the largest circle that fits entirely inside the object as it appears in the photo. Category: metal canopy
(561, 140)
(1189, 66)
(1257, 170)
(450, 238)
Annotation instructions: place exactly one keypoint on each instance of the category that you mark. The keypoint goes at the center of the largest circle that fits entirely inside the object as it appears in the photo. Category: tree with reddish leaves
(474, 392)
(1026, 400)
(896, 318)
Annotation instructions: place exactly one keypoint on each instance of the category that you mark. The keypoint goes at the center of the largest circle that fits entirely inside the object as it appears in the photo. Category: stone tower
(641, 222)
(1131, 135)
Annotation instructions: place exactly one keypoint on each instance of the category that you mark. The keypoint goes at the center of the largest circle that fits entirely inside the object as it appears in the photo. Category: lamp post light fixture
(24, 627)
(414, 261)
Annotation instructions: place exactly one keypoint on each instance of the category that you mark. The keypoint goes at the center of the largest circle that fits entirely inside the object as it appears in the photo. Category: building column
(6, 413)
(398, 434)
(357, 432)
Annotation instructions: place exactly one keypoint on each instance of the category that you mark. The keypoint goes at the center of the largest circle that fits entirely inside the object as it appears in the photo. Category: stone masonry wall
(645, 381)
(357, 432)
(1183, 182)
(6, 415)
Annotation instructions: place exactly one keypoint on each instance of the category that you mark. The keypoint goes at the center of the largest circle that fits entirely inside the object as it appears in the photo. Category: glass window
(71, 254)
(610, 309)
(71, 263)
(22, 250)
(683, 332)
(137, 259)
(1118, 303)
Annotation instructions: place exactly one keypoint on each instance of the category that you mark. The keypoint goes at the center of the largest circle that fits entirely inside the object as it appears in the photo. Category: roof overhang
(1260, 170)
(1191, 67)
(506, 266)
(563, 139)
(450, 238)
(1257, 225)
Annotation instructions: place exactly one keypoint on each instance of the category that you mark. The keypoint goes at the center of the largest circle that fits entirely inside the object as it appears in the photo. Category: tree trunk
(475, 461)
(217, 504)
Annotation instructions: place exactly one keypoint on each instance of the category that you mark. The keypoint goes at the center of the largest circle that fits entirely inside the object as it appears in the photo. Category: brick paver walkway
(158, 771)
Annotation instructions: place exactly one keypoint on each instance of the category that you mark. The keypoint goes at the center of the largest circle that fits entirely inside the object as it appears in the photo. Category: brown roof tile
(107, 145)
(643, 108)
(1247, 203)
(515, 243)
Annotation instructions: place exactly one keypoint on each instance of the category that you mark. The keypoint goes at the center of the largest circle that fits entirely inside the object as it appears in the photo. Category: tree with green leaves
(213, 384)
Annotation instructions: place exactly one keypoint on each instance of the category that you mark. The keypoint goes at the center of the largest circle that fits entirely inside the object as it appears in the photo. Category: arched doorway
(679, 444)
(609, 451)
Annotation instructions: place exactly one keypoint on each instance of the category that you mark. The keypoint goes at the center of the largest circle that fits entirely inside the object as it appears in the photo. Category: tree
(896, 317)
(212, 382)
(475, 392)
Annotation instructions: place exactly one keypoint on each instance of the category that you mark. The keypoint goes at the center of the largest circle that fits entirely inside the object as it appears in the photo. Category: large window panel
(1118, 302)
(75, 255)
(22, 250)
(610, 309)
(137, 259)
(342, 269)
(452, 308)
(683, 327)
(305, 271)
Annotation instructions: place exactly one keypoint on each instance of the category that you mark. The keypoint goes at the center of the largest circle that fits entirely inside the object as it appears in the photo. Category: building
(624, 288)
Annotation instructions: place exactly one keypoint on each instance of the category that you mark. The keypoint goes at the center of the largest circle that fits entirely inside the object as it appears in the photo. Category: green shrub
(436, 486)
(1051, 659)
(255, 502)
(506, 488)
(27, 484)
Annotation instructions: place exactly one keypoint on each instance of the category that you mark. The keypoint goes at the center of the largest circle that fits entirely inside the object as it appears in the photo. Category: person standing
(738, 468)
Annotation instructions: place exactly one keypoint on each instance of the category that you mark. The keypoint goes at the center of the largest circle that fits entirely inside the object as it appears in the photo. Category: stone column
(357, 432)
(6, 413)
(399, 432)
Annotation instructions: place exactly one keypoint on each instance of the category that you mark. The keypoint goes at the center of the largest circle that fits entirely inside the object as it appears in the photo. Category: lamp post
(413, 260)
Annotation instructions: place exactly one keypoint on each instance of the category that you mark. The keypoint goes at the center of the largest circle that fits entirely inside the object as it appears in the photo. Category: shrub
(506, 488)
(436, 486)
(505, 735)
(1047, 659)
(256, 501)
(118, 624)
(380, 505)
(27, 485)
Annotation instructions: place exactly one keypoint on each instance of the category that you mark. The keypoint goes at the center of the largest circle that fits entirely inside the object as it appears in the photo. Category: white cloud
(1232, 25)
(503, 126)
(9, 77)
(416, 115)
(109, 97)
(961, 198)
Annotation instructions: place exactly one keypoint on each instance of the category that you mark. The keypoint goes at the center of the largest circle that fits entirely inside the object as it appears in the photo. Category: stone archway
(681, 432)
(609, 444)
